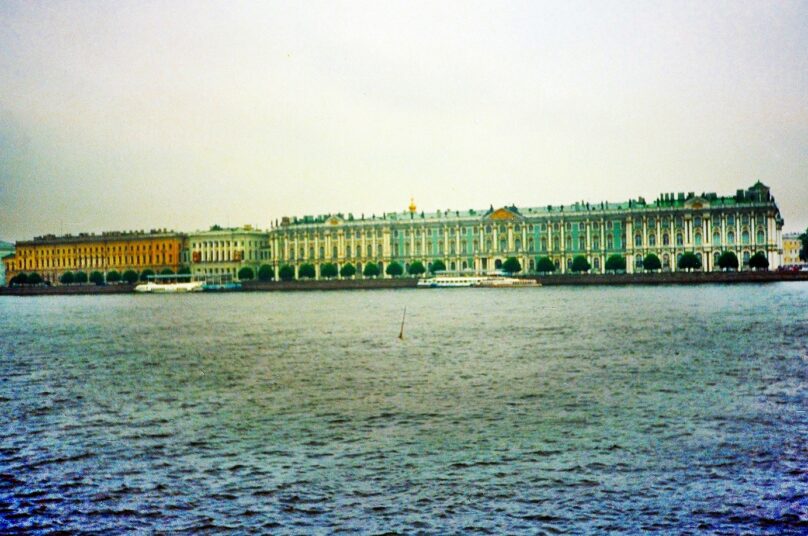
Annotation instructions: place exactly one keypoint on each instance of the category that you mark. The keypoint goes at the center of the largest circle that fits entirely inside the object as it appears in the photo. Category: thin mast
(401, 333)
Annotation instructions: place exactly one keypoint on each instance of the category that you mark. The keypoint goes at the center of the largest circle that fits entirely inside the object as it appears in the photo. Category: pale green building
(219, 253)
(6, 249)
(480, 240)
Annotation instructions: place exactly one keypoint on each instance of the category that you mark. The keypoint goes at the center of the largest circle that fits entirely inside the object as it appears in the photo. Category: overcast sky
(134, 115)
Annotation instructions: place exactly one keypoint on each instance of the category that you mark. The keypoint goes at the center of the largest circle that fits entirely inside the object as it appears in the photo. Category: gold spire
(412, 205)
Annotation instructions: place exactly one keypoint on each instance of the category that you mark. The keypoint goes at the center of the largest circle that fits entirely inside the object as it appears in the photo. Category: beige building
(791, 250)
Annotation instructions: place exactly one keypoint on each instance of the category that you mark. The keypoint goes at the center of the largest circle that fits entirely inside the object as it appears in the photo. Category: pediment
(334, 220)
(503, 214)
(697, 203)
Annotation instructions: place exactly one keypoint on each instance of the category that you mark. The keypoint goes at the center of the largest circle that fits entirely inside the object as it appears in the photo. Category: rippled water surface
(551, 410)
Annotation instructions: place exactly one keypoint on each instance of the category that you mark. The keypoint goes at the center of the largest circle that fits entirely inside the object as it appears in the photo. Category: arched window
(652, 240)
(582, 243)
(334, 252)
(698, 239)
(666, 240)
(716, 255)
(347, 251)
(760, 237)
(745, 237)
(503, 245)
(679, 239)
(666, 261)
(544, 244)
(716, 238)
(745, 258)
(596, 263)
(518, 244)
(730, 238)
(638, 241)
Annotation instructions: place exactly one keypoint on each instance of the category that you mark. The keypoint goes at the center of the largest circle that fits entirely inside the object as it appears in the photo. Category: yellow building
(791, 249)
(51, 256)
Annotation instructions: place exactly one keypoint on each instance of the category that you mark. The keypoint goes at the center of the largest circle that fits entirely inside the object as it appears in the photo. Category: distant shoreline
(670, 278)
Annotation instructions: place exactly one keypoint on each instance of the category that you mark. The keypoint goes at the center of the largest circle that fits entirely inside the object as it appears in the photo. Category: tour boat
(170, 284)
(453, 281)
(156, 288)
(450, 281)
(508, 282)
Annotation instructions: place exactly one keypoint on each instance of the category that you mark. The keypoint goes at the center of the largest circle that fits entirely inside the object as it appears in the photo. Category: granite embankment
(60, 290)
(671, 278)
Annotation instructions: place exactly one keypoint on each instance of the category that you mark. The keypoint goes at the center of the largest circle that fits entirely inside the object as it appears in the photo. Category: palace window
(698, 239)
(760, 237)
(679, 239)
(666, 240)
(697, 222)
(745, 237)
(609, 242)
(716, 238)
(731, 219)
(745, 258)
(595, 243)
(581, 243)
(518, 244)
(637, 241)
(730, 238)
(652, 240)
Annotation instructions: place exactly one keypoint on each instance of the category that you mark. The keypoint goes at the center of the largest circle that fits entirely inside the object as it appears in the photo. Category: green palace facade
(480, 240)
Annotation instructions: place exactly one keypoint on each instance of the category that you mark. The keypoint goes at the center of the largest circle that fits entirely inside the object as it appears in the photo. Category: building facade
(480, 240)
(220, 253)
(51, 256)
(6, 250)
(791, 250)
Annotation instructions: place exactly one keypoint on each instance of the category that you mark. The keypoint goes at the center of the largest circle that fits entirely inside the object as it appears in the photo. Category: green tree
(347, 270)
(728, 261)
(329, 270)
(512, 265)
(113, 276)
(246, 274)
(34, 278)
(804, 248)
(689, 261)
(184, 270)
(67, 278)
(166, 271)
(80, 277)
(19, 279)
(758, 261)
(144, 275)
(371, 269)
(286, 273)
(651, 262)
(580, 264)
(615, 263)
(545, 265)
(306, 270)
(416, 268)
(266, 273)
(130, 276)
(437, 266)
(96, 277)
(394, 269)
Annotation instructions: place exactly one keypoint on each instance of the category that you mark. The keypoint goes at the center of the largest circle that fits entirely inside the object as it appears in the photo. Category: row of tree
(95, 277)
(330, 270)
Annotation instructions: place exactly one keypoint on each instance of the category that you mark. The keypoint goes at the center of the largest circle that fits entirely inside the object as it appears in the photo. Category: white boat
(451, 281)
(170, 284)
(157, 288)
(508, 282)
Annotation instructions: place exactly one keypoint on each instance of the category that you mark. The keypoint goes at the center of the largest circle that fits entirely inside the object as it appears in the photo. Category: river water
(550, 410)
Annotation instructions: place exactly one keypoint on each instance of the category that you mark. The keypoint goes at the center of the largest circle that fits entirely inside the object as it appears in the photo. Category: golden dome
(412, 205)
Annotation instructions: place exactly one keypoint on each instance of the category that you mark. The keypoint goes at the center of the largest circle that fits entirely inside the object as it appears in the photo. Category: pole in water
(401, 333)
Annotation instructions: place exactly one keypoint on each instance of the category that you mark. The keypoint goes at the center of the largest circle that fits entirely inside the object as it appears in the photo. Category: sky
(139, 115)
